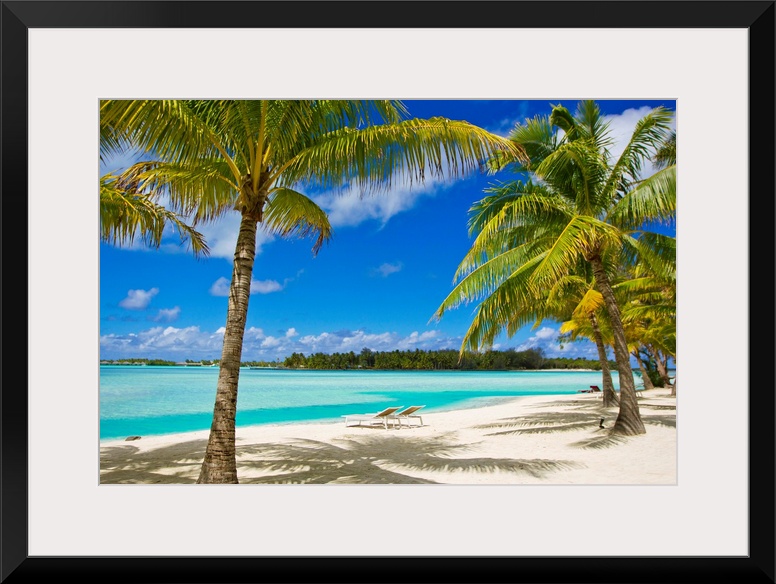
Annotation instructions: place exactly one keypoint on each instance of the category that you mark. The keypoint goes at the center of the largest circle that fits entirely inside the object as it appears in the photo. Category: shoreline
(547, 439)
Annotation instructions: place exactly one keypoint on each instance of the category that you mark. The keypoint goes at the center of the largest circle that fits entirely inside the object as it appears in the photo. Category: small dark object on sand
(601, 423)
(128, 438)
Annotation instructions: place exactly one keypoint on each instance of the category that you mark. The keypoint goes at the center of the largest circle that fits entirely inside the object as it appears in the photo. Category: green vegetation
(509, 359)
(137, 362)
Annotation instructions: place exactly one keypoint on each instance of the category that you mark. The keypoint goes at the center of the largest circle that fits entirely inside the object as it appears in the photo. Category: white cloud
(546, 333)
(546, 340)
(347, 340)
(192, 343)
(251, 333)
(265, 286)
(138, 299)
(350, 207)
(416, 340)
(170, 342)
(221, 286)
(387, 269)
(167, 314)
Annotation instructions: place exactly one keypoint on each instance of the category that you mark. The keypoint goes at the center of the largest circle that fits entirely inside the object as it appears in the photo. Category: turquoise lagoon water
(147, 400)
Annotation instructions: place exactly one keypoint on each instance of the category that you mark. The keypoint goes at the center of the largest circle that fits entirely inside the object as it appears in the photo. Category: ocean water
(147, 400)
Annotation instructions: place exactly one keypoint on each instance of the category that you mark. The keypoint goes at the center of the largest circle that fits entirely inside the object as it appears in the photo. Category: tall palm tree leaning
(585, 206)
(214, 157)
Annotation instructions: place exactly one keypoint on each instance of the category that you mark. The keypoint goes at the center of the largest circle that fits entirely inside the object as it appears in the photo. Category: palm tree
(649, 303)
(254, 157)
(585, 322)
(584, 206)
(515, 302)
(646, 293)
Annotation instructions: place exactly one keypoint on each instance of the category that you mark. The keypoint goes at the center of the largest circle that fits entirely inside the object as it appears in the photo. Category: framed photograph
(712, 522)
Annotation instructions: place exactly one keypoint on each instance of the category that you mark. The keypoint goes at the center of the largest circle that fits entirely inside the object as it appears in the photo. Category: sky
(376, 284)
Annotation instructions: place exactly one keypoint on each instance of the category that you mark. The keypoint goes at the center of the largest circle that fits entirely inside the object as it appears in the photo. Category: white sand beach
(529, 440)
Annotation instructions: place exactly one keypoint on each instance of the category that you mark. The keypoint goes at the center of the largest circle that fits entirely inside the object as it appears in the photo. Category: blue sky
(376, 284)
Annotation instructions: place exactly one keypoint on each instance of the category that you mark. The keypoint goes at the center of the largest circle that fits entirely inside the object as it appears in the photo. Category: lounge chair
(408, 414)
(380, 418)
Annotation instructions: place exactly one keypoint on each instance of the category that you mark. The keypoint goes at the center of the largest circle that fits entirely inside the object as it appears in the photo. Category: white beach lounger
(380, 418)
(408, 414)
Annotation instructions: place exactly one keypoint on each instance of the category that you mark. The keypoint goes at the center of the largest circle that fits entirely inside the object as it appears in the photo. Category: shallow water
(146, 400)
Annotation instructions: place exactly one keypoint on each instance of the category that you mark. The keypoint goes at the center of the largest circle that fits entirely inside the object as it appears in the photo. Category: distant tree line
(416, 360)
(438, 360)
(163, 362)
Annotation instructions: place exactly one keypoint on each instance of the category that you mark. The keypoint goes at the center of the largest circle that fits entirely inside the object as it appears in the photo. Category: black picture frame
(757, 566)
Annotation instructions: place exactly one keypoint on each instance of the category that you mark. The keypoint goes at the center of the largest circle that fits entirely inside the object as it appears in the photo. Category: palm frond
(495, 206)
(487, 277)
(512, 305)
(653, 254)
(666, 152)
(201, 190)
(371, 157)
(537, 137)
(576, 170)
(125, 215)
(291, 213)
(653, 200)
(649, 133)
(581, 235)
(592, 124)
(173, 130)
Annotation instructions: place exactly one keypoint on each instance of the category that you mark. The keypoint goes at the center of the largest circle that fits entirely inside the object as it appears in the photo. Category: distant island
(416, 360)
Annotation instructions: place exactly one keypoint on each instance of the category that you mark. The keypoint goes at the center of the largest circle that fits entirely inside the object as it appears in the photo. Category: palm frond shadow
(545, 423)
(377, 460)
(608, 440)
(666, 421)
(600, 442)
(657, 407)
(127, 464)
(572, 404)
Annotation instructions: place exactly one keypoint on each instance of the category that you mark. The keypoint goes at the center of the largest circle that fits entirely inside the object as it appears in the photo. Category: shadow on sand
(366, 460)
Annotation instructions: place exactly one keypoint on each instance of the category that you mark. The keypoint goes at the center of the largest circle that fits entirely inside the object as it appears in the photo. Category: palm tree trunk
(662, 367)
(609, 397)
(220, 464)
(644, 373)
(673, 388)
(628, 420)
